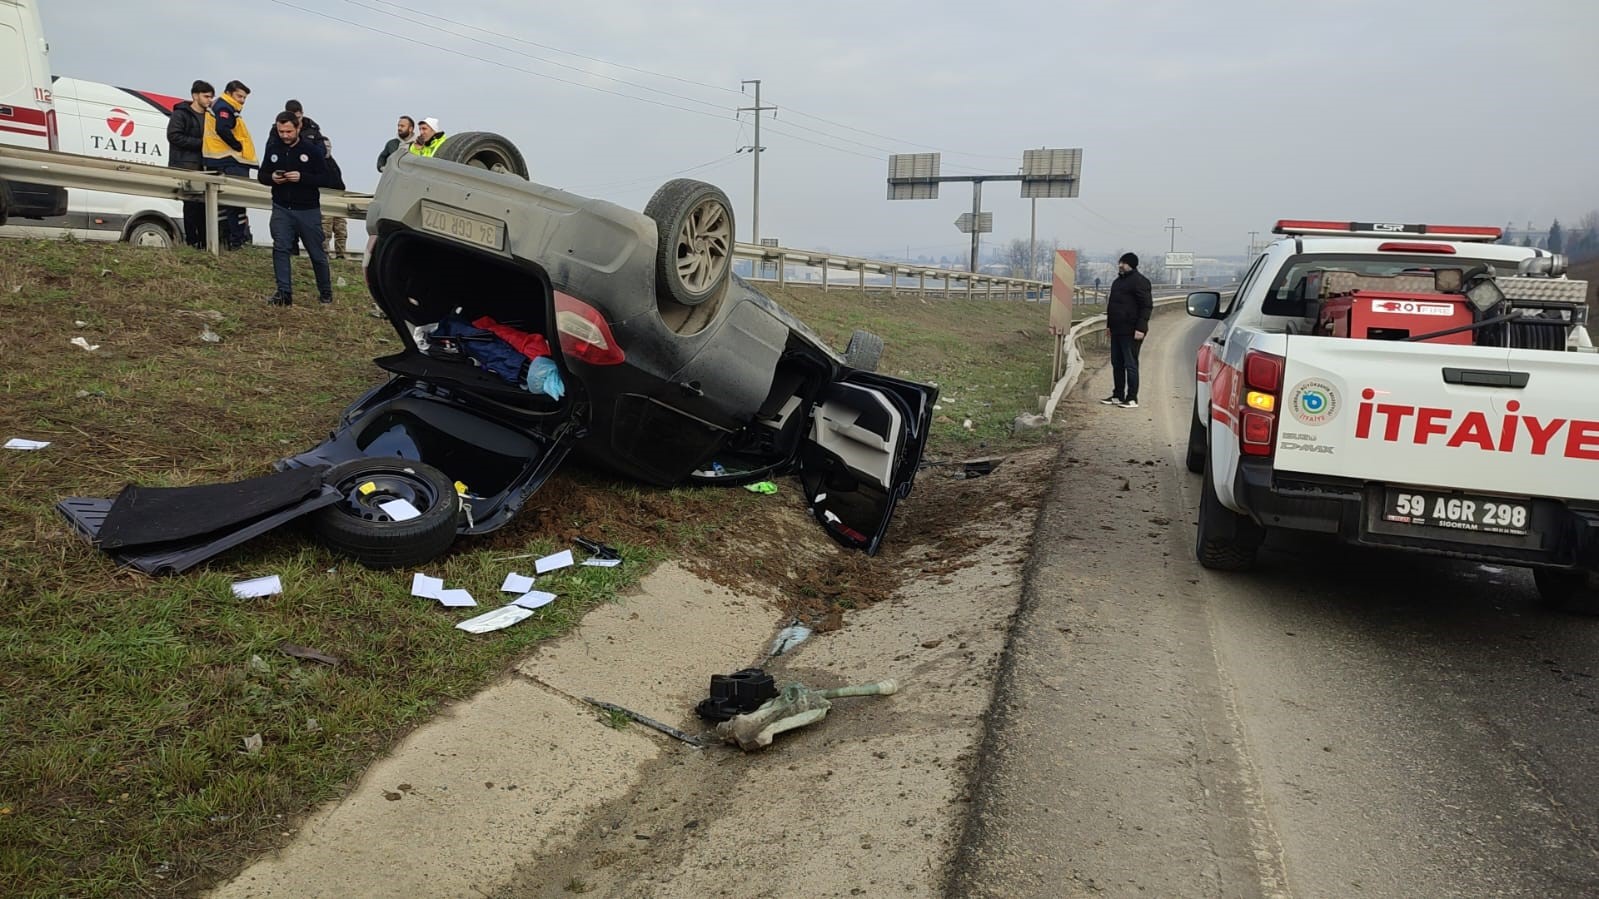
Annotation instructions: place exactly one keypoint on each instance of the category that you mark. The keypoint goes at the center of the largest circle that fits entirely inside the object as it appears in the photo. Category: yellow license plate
(472, 229)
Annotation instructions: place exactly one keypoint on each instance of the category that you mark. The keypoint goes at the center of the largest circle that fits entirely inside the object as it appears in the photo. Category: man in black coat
(296, 170)
(1127, 312)
(185, 137)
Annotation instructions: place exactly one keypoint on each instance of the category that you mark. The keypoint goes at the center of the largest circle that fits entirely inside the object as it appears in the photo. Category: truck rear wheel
(1572, 591)
(1226, 541)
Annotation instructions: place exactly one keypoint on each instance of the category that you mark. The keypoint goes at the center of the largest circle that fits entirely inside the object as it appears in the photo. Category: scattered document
(260, 586)
(18, 443)
(495, 620)
(549, 563)
(426, 587)
(400, 509)
(602, 563)
(516, 583)
(533, 599)
(456, 599)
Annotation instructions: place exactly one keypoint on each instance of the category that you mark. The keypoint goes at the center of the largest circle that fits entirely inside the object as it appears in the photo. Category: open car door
(865, 443)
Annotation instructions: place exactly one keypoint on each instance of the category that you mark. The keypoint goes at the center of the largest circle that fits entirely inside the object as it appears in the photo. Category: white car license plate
(467, 228)
(1458, 511)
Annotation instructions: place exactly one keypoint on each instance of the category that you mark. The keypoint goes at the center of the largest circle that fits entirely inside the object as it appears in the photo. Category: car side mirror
(1204, 303)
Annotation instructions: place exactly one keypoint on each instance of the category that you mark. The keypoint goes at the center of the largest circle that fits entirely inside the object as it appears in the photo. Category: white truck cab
(27, 110)
(1416, 387)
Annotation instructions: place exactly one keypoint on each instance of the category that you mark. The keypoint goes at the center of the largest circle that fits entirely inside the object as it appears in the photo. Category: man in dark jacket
(185, 138)
(404, 136)
(1127, 311)
(296, 170)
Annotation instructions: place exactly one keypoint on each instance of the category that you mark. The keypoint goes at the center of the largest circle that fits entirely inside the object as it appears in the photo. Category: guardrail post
(893, 281)
(947, 279)
(863, 279)
(921, 287)
(213, 239)
(824, 277)
(782, 270)
(991, 289)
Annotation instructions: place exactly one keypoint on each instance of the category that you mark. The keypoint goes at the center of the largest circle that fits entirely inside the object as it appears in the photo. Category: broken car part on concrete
(795, 707)
(736, 694)
(647, 721)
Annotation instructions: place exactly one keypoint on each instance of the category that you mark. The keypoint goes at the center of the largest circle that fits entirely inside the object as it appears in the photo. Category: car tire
(484, 150)
(357, 527)
(693, 253)
(1225, 540)
(864, 351)
(1196, 445)
(151, 234)
(1573, 591)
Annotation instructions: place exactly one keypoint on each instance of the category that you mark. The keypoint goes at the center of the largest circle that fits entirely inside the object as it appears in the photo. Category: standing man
(229, 149)
(185, 140)
(309, 129)
(1127, 312)
(296, 170)
(429, 138)
(337, 227)
(404, 136)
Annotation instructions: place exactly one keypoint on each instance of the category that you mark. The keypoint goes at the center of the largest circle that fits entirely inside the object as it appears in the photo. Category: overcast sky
(1224, 115)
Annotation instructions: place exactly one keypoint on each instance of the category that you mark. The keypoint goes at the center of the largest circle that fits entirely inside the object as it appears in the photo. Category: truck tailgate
(1505, 421)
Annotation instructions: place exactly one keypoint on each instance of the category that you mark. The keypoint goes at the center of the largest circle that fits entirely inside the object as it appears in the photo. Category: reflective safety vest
(212, 146)
(428, 150)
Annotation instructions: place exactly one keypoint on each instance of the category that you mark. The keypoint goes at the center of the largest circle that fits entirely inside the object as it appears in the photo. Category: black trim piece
(139, 95)
(1471, 377)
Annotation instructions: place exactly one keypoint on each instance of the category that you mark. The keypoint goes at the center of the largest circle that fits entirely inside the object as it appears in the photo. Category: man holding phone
(296, 170)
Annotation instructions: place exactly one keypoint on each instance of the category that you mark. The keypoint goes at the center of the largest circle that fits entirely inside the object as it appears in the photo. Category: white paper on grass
(426, 587)
(549, 563)
(400, 509)
(20, 443)
(516, 583)
(602, 563)
(456, 599)
(493, 621)
(533, 599)
(260, 586)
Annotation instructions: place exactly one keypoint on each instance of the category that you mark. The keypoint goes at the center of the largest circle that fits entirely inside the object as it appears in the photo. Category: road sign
(1179, 260)
(911, 176)
(1051, 173)
(985, 223)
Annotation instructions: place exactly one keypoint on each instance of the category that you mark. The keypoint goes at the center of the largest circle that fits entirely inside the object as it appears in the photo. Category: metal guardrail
(71, 170)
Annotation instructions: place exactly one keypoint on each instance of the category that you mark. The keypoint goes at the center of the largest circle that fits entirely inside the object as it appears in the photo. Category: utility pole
(756, 150)
(1251, 253)
(1173, 227)
(1032, 245)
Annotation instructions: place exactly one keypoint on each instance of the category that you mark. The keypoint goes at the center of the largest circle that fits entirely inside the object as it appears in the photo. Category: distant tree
(1557, 239)
(1583, 241)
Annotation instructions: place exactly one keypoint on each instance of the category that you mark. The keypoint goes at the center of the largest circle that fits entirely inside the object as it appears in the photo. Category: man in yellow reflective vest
(428, 138)
(228, 149)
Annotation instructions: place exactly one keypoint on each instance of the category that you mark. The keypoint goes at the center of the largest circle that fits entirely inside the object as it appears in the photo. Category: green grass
(125, 700)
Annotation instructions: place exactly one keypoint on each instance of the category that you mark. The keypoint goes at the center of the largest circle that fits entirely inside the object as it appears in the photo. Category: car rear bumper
(1563, 535)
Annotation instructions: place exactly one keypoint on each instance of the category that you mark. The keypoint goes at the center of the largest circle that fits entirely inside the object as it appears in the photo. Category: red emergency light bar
(1387, 229)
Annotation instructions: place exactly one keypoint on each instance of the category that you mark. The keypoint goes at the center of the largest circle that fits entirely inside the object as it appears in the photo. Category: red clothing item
(529, 345)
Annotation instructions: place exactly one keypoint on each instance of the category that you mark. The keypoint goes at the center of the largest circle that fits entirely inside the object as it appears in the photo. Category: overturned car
(641, 351)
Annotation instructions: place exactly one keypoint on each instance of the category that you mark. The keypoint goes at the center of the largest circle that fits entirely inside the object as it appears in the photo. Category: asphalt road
(1337, 723)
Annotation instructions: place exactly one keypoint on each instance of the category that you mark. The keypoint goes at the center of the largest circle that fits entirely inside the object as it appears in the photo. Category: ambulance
(27, 113)
(127, 125)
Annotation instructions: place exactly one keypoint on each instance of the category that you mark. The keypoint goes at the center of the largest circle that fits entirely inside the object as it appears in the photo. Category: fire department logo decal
(1313, 402)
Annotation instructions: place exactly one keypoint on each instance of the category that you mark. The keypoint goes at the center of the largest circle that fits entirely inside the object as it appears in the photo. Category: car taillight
(51, 130)
(584, 333)
(1263, 382)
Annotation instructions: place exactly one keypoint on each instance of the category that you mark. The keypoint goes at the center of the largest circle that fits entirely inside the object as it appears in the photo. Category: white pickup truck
(1406, 386)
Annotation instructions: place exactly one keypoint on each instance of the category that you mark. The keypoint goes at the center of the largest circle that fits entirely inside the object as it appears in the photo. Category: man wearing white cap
(428, 138)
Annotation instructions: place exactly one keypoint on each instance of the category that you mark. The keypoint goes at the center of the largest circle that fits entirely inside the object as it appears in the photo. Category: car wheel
(1196, 445)
(484, 150)
(1226, 541)
(151, 234)
(358, 527)
(694, 251)
(1567, 591)
(864, 351)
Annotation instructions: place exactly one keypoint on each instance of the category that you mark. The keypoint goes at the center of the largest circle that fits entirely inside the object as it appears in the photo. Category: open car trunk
(498, 440)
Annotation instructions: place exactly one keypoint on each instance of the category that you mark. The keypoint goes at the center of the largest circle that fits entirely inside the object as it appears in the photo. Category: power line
(612, 185)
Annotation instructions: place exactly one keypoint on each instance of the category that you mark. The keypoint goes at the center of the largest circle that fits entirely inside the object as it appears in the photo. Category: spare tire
(358, 527)
(483, 150)
(693, 251)
(864, 351)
